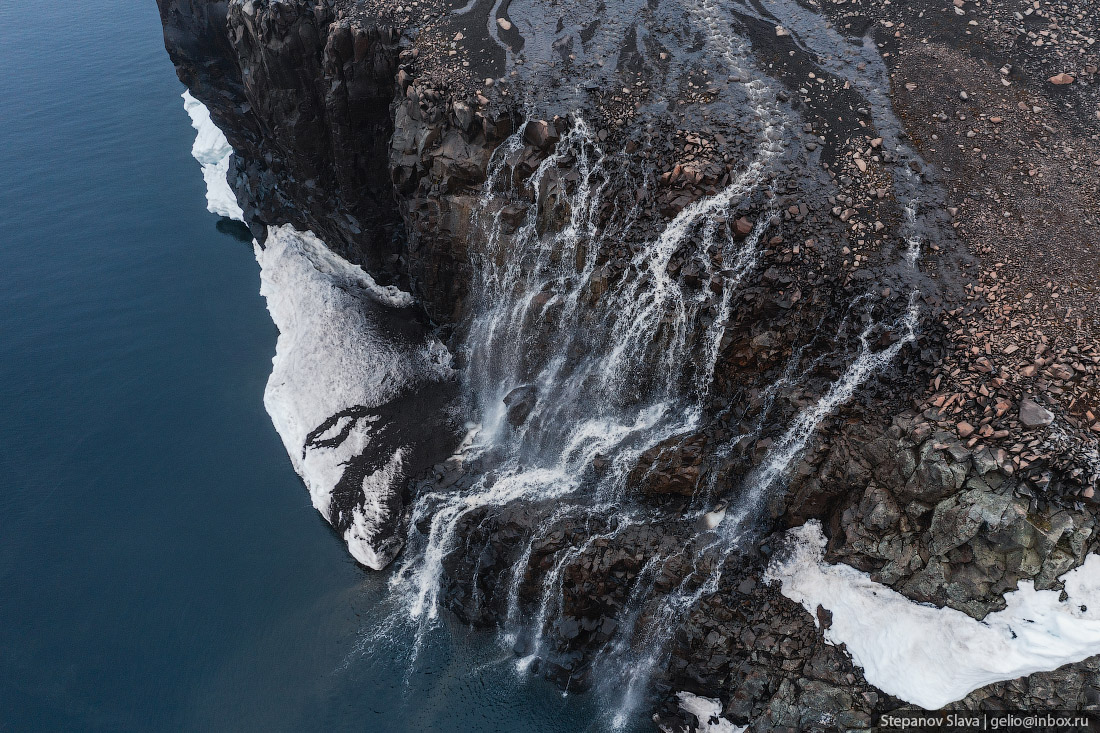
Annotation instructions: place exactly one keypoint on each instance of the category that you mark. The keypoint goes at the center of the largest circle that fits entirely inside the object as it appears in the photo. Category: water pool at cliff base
(161, 567)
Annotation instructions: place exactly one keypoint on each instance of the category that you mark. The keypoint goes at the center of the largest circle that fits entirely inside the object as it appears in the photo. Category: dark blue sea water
(161, 567)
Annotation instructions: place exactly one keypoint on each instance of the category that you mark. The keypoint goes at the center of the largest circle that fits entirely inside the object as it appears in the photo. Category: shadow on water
(236, 229)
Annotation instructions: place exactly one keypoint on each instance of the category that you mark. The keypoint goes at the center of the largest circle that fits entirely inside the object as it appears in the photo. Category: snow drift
(933, 656)
(708, 714)
(346, 388)
(212, 151)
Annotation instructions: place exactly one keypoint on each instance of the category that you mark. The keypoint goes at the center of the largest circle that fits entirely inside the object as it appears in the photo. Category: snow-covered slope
(933, 656)
(345, 392)
(338, 386)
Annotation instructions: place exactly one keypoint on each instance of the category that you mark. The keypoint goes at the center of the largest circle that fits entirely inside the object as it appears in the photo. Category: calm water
(160, 565)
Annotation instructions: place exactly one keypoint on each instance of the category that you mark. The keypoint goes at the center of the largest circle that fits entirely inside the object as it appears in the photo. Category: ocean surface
(161, 567)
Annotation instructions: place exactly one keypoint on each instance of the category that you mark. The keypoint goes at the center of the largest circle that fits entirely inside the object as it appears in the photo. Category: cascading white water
(614, 367)
(613, 354)
(912, 242)
(610, 364)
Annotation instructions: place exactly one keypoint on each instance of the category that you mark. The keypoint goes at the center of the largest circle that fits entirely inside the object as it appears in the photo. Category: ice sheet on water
(932, 656)
(336, 364)
(212, 151)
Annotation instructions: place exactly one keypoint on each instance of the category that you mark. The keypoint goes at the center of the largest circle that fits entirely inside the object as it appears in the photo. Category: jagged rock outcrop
(439, 157)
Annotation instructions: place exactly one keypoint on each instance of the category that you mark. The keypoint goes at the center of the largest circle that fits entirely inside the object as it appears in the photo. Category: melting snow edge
(933, 656)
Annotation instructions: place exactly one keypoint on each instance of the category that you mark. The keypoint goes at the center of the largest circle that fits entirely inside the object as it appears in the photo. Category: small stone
(464, 116)
(519, 403)
(965, 429)
(1061, 79)
(504, 24)
(488, 82)
(781, 31)
(1062, 371)
(541, 134)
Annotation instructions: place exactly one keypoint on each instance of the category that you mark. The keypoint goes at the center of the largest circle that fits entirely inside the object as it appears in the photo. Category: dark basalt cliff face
(305, 104)
(360, 124)
(308, 102)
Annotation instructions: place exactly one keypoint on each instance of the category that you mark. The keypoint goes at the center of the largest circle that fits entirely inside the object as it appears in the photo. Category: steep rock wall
(304, 99)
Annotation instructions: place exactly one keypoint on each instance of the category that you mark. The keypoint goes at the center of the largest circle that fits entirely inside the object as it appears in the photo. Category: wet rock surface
(966, 464)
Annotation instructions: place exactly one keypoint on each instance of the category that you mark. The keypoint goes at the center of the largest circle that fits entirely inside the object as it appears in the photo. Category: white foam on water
(708, 714)
(212, 151)
(933, 656)
(332, 364)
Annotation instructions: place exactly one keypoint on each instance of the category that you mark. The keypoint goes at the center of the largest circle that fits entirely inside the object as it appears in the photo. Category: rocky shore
(895, 158)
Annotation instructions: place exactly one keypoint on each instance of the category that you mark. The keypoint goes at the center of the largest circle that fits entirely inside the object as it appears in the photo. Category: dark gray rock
(520, 401)
(1034, 415)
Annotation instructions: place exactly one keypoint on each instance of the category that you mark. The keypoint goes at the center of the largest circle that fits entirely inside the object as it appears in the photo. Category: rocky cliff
(798, 222)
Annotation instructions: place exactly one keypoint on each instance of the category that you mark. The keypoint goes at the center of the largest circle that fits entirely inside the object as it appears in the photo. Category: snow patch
(708, 714)
(933, 656)
(380, 489)
(212, 151)
(334, 364)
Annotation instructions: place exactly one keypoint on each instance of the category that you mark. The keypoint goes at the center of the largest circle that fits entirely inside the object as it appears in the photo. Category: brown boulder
(1034, 415)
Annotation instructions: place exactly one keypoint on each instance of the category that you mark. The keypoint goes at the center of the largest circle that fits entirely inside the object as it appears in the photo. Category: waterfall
(611, 365)
(607, 360)
(590, 342)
